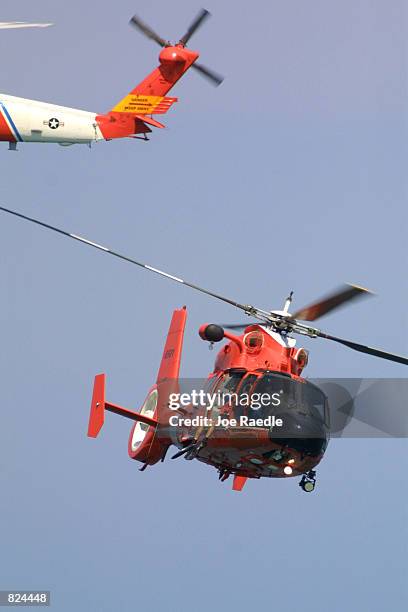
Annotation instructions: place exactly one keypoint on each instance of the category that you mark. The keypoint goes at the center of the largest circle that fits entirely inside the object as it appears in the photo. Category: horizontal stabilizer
(99, 405)
(150, 121)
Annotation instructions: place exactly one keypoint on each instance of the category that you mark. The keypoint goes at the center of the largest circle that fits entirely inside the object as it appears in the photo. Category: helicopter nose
(302, 433)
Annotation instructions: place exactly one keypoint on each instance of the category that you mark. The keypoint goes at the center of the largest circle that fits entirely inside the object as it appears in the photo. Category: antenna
(288, 302)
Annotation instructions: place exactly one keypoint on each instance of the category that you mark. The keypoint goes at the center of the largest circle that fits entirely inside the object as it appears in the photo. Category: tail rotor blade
(137, 23)
(197, 23)
(214, 78)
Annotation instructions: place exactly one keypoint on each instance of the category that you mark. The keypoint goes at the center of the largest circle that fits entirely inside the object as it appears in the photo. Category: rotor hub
(173, 55)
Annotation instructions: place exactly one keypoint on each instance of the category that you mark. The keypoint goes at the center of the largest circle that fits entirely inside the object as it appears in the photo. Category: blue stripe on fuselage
(13, 125)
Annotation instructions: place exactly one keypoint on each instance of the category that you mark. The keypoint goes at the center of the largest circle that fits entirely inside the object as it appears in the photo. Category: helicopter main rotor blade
(362, 348)
(214, 78)
(8, 25)
(147, 31)
(239, 326)
(198, 21)
(331, 302)
(265, 317)
(246, 308)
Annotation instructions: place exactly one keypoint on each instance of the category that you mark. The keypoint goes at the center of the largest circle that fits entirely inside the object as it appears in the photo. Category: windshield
(273, 392)
(229, 382)
(316, 401)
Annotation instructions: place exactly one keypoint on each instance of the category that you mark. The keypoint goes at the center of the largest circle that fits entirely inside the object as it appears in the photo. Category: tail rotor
(213, 77)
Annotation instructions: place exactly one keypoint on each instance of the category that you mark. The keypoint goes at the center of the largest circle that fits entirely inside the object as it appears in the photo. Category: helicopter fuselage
(253, 417)
(24, 120)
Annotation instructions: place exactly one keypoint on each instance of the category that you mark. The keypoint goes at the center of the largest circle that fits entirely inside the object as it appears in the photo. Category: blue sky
(290, 176)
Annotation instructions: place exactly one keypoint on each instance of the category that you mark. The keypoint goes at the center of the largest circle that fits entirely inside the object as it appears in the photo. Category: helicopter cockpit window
(274, 393)
(247, 383)
(210, 384)
(271, 394)
(316, 401)
(227, 387)
(244, 392)
(230, 381)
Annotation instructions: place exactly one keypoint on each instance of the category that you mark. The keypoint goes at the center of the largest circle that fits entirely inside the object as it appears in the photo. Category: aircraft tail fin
(170, 364)
(149, 96)
(99, 405)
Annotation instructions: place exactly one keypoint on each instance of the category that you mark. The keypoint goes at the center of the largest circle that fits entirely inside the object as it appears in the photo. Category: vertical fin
(170, 363)
(151, 92)
(99, 405)
(97, 416)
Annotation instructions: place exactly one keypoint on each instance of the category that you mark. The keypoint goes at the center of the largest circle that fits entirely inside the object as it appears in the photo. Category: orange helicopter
(255, 415)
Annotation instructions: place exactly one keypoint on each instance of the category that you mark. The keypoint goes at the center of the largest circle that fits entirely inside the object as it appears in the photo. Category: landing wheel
(308, 482)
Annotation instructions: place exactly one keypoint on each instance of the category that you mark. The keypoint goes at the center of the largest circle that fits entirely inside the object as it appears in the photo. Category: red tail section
(97, 416)
(148, 97)
(147, 442)
(170, 363)
(149, 445)
(132, 115)
(99, 405)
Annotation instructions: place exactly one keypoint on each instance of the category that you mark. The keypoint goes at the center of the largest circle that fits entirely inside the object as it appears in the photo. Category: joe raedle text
(243, 421)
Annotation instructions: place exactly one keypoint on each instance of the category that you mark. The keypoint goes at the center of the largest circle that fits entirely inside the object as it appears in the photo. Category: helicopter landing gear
(185, 450)
(191, 450)
(223, 474)
(308, 482)
(194, 450)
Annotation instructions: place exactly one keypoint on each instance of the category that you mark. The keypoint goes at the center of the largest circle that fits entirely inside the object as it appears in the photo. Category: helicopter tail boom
(149, 97)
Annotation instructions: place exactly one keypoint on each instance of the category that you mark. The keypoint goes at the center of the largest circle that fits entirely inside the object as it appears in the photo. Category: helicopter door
(226, 393)
(188, 432)
(244, 392)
